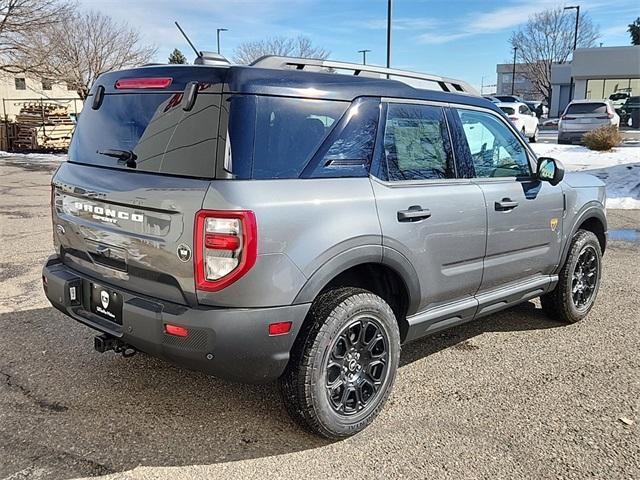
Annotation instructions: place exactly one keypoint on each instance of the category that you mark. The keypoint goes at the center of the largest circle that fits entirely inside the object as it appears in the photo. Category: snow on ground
(40, 157)
(619, 169)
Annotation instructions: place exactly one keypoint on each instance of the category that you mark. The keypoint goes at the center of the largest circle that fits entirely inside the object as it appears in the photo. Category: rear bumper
(229, 343)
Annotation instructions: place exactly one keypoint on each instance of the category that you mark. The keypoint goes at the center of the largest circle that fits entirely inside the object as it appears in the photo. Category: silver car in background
(582, 116)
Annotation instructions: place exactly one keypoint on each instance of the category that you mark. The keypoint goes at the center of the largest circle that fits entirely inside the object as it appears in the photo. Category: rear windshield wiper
(124, 156)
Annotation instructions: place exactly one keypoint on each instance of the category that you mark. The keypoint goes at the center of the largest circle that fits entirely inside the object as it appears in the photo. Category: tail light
(142, 83)
(226, 247)
(513, 119)
(608, 116)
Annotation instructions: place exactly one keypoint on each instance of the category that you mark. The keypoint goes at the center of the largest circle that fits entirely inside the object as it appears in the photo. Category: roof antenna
(198, 54)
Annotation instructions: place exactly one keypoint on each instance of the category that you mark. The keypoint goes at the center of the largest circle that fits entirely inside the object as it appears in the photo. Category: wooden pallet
(43, 126)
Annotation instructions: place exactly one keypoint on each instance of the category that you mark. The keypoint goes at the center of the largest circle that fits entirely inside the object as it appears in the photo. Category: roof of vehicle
(510, 104)
(590, 100)
(287, 82)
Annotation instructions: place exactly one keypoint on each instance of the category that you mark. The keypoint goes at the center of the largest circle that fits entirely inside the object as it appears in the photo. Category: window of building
(47, 84)
(615, 89)
(21, 84)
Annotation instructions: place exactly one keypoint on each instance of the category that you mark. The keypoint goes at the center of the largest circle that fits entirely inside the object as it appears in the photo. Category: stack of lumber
(43, 126)
(8, 131)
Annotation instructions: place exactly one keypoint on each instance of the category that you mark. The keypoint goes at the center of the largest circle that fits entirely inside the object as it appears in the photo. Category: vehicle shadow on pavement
(518, 318)
(74, 412)
(71, 411)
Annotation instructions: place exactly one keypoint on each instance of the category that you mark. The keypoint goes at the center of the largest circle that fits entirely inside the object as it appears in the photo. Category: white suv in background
(522, 117)
(582, 116)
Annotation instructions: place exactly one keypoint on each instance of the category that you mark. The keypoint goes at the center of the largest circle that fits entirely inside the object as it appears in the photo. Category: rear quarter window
(275, 137)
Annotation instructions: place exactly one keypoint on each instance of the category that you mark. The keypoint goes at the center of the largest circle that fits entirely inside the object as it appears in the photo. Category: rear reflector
(135, 83)
(222, 241)
(279, 328)
(176, 330)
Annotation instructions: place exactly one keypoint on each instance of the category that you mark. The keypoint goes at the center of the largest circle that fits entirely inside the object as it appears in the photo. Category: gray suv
(284, 221)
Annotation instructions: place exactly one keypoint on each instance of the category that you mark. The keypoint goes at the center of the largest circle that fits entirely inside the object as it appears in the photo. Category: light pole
(575, 41)
(364, 55)
(218, 30)
(389, 9)
(575, 34)
(513, 74)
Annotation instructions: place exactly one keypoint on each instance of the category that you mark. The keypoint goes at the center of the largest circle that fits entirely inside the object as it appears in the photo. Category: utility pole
(389, 10)
(364, 56)
(513, 74)
(218, 30)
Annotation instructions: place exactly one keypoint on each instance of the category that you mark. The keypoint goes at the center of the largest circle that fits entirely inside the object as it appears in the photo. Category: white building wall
(14, 98)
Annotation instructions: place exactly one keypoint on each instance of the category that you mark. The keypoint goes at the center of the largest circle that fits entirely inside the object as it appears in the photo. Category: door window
(416, 143)
(494, 148)
(524, 110)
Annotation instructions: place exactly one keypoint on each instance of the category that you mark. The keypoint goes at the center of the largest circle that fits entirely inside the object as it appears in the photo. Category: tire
(534, 138)
(337, 317)
(561, 303)
(564, 141)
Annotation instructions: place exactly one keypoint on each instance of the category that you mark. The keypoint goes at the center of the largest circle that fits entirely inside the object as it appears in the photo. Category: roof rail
(434, 81)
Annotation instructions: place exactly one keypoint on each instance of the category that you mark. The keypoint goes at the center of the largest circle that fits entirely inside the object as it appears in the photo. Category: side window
(494, 148)
(524, 110)
(348, 150)
(288, 131)
(416, 143)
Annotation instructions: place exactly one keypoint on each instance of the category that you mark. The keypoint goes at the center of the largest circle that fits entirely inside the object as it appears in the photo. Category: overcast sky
(457, 38)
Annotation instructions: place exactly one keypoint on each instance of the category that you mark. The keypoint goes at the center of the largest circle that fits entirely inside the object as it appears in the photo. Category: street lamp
(389, 8)
(364, 56)
(218, 30)
(575, 41)
(575, 35)
(513, 74)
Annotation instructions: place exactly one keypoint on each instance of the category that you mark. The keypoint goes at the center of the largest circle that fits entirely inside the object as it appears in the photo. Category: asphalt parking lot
(514, 395)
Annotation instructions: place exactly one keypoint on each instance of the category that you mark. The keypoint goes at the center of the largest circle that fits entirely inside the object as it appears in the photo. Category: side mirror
(550, 170)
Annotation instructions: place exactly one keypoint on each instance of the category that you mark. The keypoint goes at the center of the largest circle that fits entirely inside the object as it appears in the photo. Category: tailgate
(131, 230)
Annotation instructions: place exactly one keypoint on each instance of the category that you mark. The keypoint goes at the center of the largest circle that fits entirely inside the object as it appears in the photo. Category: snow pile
(40, 157)
(619, 169)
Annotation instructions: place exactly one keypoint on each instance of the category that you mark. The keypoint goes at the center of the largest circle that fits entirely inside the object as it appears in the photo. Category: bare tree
(547, 38)
(19, 21)
(301, 46)
(83, 46)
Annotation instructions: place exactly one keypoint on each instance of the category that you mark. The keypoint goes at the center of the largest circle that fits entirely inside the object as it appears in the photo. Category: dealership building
(595, 73)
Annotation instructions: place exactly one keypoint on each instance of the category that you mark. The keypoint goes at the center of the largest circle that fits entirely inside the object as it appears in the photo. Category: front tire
(579, 281)
(343, 364)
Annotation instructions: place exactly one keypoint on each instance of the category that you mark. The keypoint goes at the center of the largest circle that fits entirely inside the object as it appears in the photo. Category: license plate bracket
(106, 303)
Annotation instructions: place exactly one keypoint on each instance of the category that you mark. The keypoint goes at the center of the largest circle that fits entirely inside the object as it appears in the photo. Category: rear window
(586, 108)
(275, 137)
(154, 127)
(508, 110)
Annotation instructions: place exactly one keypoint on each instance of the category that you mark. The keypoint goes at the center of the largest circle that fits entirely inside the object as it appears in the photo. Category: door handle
(505, 204)
(414, 213)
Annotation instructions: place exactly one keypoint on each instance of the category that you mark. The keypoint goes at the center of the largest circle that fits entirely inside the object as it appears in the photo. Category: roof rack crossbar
(445, 84)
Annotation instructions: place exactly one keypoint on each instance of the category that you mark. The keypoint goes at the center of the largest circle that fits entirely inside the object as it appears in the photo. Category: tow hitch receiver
(104, 343)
